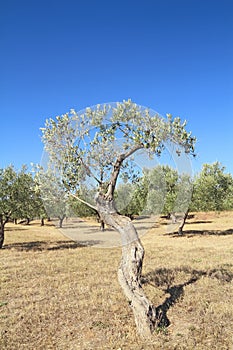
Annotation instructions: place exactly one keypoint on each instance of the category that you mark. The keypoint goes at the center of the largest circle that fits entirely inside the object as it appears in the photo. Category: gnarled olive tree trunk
(129, 273)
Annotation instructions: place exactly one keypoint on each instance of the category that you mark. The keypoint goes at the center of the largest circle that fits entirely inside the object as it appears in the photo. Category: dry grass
(58, 294)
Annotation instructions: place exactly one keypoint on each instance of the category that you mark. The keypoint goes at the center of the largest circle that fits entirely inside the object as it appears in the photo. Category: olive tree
(18, 198)
(98, 143)
(168, 192)
(127, 199)
(51, 191)
(8, 198)
(162, 189)
(213, 188)
(29, 201)
(184, 198)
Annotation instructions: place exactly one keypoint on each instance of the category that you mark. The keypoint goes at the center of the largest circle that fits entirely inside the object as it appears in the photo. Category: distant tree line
(161, 190)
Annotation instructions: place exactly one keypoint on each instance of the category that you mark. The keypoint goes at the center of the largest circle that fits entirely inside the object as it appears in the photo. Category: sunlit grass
(58, 294)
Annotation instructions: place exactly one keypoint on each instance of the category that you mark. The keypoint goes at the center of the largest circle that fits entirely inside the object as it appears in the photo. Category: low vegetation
(59, 294)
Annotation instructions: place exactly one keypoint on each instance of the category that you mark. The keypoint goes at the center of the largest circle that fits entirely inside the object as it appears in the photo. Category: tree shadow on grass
(164, 279)
(198, 222)
(192, 233)
(43, 245)
(15, 229)
(189, 222)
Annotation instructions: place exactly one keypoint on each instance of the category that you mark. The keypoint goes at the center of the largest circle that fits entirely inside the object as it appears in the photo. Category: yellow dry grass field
(59, 294)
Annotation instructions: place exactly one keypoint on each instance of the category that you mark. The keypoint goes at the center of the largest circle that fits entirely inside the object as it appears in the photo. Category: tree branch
(116, 170)
(84, 202)
(89, 173)
(133, 150)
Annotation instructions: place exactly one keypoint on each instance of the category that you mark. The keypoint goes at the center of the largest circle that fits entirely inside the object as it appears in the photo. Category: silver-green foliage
(90, 143)
(18, 197)
(213, 189)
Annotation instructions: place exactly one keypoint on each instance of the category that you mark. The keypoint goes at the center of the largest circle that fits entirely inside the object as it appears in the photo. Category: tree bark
(130, 269)
(181, 226)
(101, 222)
(102, 225)
(61, 221)
(2, 231)
(1, 236)
(42, 222)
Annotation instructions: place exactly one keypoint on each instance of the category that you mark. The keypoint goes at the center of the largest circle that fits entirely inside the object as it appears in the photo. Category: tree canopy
(99, 143)
(213, 189)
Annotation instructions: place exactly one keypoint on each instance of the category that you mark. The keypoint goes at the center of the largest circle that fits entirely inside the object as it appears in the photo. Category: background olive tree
(53, 194)
(213, 189)
(168, 192)
(18, 197)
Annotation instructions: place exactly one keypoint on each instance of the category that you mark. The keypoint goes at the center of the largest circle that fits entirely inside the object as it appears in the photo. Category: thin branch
(89, 173)
(84, 202)
(123, 131)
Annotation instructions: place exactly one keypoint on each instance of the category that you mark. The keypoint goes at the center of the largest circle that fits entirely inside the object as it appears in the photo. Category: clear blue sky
(174, 56)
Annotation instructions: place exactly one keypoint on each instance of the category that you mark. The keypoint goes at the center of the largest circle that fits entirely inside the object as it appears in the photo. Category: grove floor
(56, 293)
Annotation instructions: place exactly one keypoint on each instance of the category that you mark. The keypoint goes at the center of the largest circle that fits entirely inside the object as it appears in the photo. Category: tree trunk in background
(101, 225)
(1, 236)
(181, 226)
(101, 221)
(129, 273)
(28, 221)
(61, 221)
(173, 218)
(2, 229)
(42, 222)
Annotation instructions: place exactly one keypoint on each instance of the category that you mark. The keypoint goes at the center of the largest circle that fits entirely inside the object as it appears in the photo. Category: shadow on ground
(164, 279)
(198, 222)
(16, 228)
(44, 245)
(191, 233)
(189, 222)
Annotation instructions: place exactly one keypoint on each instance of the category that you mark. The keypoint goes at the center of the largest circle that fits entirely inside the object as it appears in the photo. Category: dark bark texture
(1, 236)
(181, 226)
(2, 230)
(61, 219)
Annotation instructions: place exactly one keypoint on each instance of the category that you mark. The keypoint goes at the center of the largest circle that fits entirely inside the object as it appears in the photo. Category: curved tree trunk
(129, 273)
